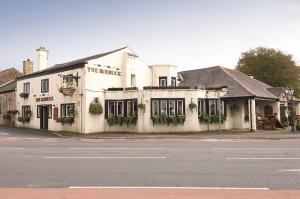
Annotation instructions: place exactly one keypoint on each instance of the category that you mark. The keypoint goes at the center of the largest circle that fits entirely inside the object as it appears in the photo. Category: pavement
(211, 167)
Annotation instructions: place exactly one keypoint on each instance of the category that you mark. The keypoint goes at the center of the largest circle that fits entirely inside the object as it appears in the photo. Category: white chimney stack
(42, 59)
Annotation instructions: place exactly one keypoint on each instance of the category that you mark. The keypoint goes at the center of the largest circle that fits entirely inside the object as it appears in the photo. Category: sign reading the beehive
(104, 71)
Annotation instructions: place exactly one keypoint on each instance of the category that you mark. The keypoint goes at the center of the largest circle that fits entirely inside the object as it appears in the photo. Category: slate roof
(79, 63)
(8, 87)
(277, 91)
(238, 84)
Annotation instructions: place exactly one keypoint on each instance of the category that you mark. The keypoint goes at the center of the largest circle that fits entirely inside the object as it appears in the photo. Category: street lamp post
(290, 91)
(224, 89)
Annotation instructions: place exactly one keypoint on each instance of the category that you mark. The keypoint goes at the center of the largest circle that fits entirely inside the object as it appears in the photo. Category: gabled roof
(8, 86)
(8, 75)
(238, 84)
(79, 63)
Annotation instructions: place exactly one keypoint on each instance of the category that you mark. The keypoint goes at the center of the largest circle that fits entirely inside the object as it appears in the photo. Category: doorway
(44, 116)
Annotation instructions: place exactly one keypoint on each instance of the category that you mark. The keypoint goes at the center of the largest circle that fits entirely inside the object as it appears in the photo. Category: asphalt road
(43, 161)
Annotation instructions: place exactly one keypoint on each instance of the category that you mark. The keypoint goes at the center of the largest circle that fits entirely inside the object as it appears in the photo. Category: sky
(187, 33)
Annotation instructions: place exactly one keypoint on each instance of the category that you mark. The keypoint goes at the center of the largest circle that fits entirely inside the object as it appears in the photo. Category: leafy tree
(270, 66)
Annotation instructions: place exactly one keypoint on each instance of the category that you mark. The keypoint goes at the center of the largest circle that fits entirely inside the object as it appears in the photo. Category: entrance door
(268, 111)
(44, 110)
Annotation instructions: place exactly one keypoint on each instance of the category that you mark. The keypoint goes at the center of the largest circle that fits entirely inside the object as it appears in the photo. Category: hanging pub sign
(104, 71)
(44, 99)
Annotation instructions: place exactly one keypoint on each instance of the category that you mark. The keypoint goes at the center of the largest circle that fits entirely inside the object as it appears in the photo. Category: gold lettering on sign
(104, 71)
(44, 99)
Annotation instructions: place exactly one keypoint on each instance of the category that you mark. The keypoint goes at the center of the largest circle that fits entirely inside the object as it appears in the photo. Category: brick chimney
(27, 67)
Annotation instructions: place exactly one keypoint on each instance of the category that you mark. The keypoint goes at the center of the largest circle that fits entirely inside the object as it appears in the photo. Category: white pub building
(116, 92)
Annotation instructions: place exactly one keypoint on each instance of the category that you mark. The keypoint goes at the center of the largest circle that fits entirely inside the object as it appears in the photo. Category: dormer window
(163, 81)
(173, 81)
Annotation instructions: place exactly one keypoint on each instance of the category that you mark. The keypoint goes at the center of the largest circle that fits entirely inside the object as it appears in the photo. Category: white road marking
(255, 148)
(230, 188)
(298, 170)
(116, 148)
(11, 148)
(1, 133)
(263, 158)
(104, 157)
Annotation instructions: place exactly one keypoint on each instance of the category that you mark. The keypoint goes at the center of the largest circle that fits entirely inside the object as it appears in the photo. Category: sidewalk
(225, 134)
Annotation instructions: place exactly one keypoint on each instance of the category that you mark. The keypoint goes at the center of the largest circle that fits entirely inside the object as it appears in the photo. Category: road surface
(29, 161)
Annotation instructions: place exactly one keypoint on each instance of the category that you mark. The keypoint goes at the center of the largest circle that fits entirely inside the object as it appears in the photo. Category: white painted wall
(55, 82)
(163, 70)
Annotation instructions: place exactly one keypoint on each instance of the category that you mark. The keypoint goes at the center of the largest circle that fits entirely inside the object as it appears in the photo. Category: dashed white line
(11, 148)
(104, 157)
(279, 158)
(116, 148)
(255, 148)
(292, 170)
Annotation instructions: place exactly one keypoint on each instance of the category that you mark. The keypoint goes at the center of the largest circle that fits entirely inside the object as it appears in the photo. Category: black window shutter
(206, 106)
(125, 108)
(106, 109)
(225, 109)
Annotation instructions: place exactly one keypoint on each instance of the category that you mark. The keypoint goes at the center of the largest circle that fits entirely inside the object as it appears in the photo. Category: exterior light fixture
(290, 91)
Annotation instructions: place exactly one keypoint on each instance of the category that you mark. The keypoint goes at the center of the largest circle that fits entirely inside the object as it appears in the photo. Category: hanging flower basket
(67, 91)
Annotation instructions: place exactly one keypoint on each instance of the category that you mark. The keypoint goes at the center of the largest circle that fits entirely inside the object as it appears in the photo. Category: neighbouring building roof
(8, 75)
(68, 65)
(238, 84)
(8, 86)
(277, 91)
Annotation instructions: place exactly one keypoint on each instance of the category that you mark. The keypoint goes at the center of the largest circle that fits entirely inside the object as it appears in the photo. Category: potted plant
(192, 106)
(24, 95)
(96, 107)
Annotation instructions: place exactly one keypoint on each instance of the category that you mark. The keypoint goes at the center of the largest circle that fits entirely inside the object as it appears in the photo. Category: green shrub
(192, 106)
(23, 119)
(95, 108)
(7, 117)
(211, 118)
(24, 95)
(284, 121)
(298, 127)
(12, 112)
(142, 107)
(65, 120)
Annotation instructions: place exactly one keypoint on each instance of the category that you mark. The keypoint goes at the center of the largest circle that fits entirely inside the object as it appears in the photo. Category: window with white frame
(164, 107)
(172, 108)
(180, 107)
(129, 108)
(169, 107)
(211, 106)
(155, 107)
(120, 108)
(68, 80)
(133, 80)
(163, 81)
(1, 105)
(26, 87)
(44, 85)
(25, 111)
(67, 110)
(111, 108)
(173, 81)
